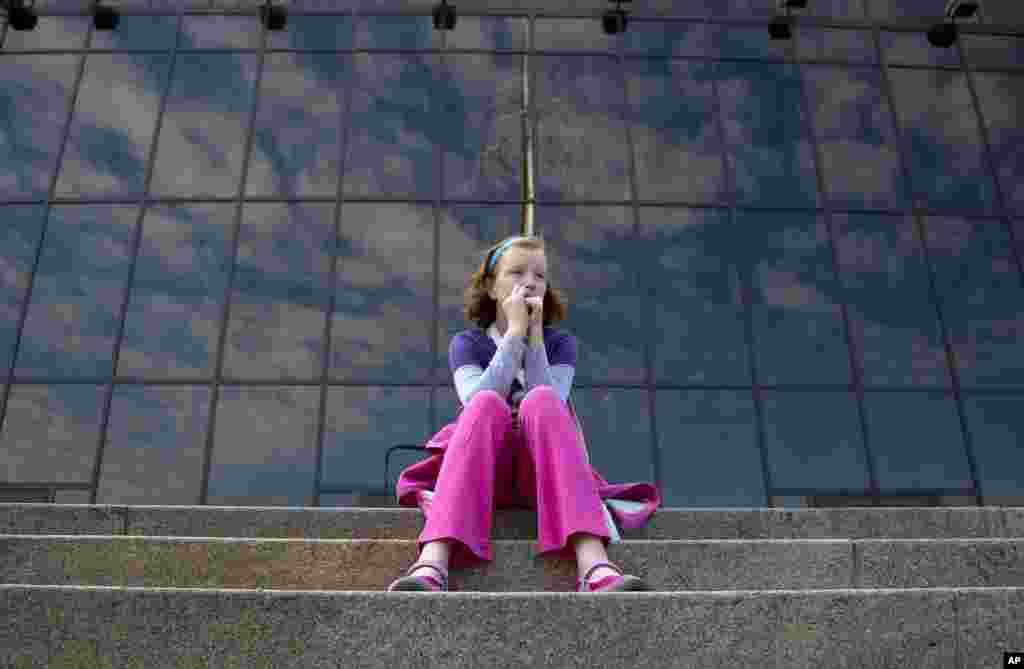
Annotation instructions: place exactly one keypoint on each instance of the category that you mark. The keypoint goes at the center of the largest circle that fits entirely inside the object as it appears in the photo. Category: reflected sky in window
(720, 208)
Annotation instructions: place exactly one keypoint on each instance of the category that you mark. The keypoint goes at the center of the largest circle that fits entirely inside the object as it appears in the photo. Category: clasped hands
(525, 313)
(535, 309)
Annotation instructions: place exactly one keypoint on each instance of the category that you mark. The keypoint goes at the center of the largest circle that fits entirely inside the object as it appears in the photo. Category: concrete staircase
(190, 587)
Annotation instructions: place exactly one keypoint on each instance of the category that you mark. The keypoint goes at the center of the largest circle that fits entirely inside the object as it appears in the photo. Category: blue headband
(501, 248)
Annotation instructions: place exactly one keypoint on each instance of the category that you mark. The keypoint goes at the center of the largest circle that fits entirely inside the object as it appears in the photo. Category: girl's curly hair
(481, 309)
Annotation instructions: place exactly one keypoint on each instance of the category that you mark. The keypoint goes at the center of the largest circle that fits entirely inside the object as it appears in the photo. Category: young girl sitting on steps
(515, 443)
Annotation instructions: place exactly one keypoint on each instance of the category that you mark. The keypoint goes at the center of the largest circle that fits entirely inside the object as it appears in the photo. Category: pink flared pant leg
(497, 460)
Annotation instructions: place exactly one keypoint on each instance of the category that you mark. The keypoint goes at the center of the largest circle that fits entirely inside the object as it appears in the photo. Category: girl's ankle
(598, 573)
(438, 551)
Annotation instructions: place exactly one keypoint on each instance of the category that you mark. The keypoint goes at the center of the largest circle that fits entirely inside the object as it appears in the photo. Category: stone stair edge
(987, 520)
(409, 510)
(965, 627)
(359, 565)
(171, 538)
(270, 592)
(509, 523)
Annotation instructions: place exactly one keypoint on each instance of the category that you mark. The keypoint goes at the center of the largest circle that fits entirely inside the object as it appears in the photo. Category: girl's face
(519, 267)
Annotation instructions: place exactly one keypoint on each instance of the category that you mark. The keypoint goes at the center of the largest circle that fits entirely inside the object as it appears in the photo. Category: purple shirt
(477, 363)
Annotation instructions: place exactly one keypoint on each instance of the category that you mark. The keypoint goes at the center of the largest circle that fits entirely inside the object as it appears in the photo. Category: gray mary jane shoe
(409, 583)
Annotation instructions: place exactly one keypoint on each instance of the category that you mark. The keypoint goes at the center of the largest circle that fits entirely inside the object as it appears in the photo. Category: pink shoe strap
(599, 564)
(436, 566)
(599, 584)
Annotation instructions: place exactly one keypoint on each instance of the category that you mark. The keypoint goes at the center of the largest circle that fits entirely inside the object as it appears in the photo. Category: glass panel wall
(234, 258)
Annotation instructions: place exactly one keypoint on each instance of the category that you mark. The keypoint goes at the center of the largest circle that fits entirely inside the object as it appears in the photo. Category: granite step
(372, 564)
(135, 628)
(391, 523)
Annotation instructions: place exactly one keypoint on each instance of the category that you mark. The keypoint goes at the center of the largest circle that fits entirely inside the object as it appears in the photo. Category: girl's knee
(494, 404)
(544, 392)
(539, 400)
(490, 397)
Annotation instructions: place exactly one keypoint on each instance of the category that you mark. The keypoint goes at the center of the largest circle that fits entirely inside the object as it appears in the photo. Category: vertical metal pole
(527, 174)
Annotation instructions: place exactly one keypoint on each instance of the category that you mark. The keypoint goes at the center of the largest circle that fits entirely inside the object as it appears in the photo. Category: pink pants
(496, 459)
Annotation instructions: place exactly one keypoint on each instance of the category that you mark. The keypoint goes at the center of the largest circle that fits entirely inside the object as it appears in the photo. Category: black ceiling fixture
(274, 17)
(21, 16)
(614, 21)
(444, 16)
(780, 27)
(944, 34)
